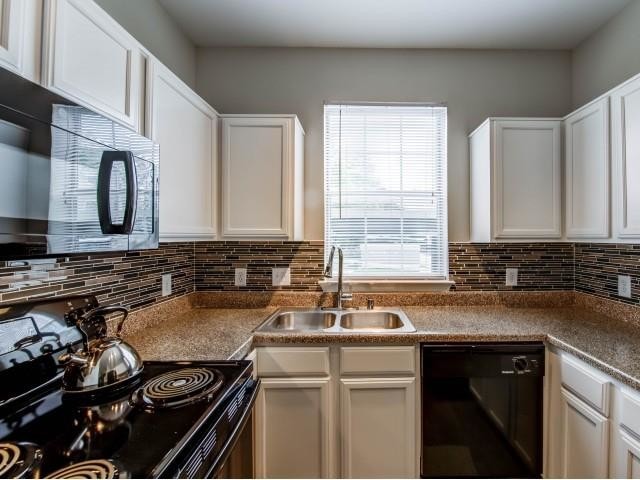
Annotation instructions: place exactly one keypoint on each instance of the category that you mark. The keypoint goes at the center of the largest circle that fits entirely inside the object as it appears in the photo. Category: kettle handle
(101, 311)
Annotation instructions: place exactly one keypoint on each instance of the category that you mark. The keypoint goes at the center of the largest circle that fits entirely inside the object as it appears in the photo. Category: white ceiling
(517, 24)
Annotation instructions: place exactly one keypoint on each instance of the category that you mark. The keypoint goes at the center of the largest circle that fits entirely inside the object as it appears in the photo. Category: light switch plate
(166, 284)
(280, 277)
(624, 286)
(511, 279)
(241, 277)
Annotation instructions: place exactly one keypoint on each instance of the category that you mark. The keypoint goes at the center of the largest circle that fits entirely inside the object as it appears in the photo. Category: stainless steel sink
(389, 320)
(371, 320)
(299, 320)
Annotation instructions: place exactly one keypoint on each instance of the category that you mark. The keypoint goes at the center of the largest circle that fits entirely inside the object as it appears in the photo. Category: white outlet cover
(624, 286)
(166, 284)
(511, 279)
(280, 277)
(241, 277)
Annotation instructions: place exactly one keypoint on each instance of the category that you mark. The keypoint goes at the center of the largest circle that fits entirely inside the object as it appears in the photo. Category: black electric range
(177, 420)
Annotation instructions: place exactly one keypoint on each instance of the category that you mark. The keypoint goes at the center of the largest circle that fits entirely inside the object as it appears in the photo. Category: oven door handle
(228, 447)
(109, 157)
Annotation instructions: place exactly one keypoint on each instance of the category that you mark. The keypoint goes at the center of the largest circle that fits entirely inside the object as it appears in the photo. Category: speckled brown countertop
(199, 334)
(609, 344)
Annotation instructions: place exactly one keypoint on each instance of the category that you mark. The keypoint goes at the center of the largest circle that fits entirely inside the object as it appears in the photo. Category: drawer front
(292, 361)
(373, 360)
(586, 384)
(630, 411)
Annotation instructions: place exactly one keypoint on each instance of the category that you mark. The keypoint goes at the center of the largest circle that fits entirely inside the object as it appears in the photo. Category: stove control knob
(520, 364)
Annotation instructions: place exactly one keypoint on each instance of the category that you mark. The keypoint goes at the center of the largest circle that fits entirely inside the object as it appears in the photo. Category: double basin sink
(391, 320)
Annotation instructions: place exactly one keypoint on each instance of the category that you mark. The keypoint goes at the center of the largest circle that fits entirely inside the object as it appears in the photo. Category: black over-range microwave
(71, 180)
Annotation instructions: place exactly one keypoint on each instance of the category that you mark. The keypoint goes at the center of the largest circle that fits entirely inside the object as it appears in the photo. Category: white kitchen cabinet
(20, 37)
(625, 124)
(262, 177)
(293, 428)
(91, 59)
(585, 439)
(516, 180)
(626, 454)
(378, 422)
(185, 126)
(587, 171)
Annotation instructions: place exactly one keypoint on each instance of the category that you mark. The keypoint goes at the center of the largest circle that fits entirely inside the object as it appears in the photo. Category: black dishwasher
(482, 410)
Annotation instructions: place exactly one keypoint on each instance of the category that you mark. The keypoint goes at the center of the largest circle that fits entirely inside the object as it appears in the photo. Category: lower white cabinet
(293, 428)
(585, 439)
(356, 425)
(626, 454)
(378, 422)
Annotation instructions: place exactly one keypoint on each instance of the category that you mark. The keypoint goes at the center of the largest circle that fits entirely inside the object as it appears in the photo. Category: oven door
(73, 182)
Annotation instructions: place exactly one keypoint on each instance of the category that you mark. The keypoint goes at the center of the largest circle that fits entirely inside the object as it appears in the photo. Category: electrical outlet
(624, 286)
(241, 277)
(280, 277)
(166, 284)
(511, 279)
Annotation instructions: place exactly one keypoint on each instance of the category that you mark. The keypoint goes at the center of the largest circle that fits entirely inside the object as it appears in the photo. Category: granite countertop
(609, 344)
(200, 334)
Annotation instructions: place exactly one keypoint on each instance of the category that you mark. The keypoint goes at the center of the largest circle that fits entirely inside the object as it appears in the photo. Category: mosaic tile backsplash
(134, 278)
(597, 266)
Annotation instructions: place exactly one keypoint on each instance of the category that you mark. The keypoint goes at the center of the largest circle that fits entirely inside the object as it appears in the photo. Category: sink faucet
(328, 272)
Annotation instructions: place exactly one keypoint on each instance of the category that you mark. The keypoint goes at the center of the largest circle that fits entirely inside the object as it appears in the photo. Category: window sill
(385, 286)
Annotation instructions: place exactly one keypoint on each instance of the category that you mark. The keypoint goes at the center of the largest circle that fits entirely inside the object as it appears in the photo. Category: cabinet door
(378, 427)
(587, 171)
(185, 126)
(527, 179)
(12, 17)
(626, 455)
(625, 111)
(585, 440)
(92, 60)
(256, 175)
(293, 419)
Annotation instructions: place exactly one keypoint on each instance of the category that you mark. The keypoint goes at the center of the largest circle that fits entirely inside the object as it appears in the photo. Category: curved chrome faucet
(328, 272)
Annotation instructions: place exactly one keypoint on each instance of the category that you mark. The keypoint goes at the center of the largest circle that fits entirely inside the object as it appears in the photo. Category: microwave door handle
(104, 192)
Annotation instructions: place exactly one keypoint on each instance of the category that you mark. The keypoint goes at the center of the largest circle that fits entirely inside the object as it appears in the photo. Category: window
(385, 189)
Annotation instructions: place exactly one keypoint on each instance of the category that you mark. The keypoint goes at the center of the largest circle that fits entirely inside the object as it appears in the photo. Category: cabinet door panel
(527, 179)
(585, 438)
(625, 111)
(12, 15)
(378, 427)
(93, 60)
(626, 455)
(293, 419)
(587, 172)
(185, 127)
(256, 161)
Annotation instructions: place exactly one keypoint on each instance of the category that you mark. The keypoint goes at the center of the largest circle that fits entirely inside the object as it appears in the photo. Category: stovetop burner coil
(19, 460)
(179, 387)
(88, 469)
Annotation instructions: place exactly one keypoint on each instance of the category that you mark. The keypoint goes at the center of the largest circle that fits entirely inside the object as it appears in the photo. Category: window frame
(370, 282)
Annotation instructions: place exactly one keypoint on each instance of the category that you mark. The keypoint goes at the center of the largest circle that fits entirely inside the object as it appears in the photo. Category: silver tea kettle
(103, 362)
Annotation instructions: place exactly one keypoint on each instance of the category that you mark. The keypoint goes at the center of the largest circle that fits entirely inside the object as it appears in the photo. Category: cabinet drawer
(584, 382)
(292, 361)
(630, 411)
(372, 360)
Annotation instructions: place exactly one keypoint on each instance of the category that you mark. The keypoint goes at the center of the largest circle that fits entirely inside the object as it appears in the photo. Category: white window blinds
(385, 189)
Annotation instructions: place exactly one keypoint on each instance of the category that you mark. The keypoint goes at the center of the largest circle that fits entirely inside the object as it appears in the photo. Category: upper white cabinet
(262, 177)
(20, 36)
(92, 60)
(625, 113)
(185, 126)
(587, 168)
(516, 179)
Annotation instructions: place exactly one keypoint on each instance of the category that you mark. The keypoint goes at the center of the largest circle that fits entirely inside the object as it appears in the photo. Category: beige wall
(607, 57)
(152, 26)
(474, 84)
